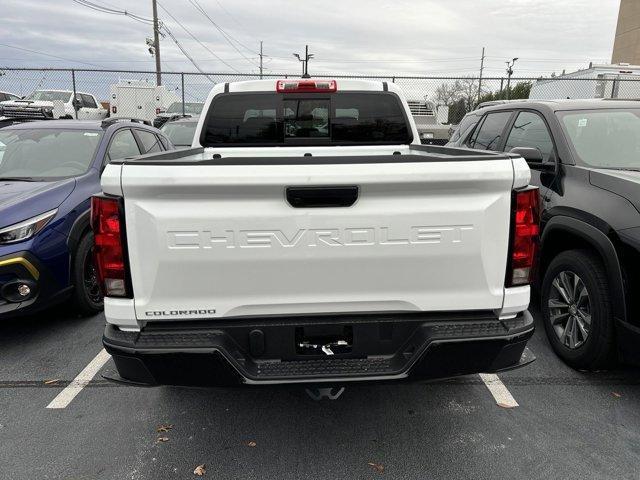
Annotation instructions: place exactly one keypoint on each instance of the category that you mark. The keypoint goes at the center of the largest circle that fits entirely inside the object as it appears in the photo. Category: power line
(50, 55)
(184, 52)
(111, 60)
(196, 3)
(543, 60)
(229, 39)
(431, 60)
(196, 38)
(236, 21)
(113, 11)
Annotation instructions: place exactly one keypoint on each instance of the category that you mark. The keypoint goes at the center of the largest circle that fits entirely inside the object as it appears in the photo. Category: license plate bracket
(319, 340)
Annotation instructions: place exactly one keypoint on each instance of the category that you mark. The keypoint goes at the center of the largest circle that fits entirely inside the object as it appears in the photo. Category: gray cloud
(351, 36)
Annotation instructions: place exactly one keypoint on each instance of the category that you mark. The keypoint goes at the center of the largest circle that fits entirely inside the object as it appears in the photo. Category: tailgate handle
(322, 197)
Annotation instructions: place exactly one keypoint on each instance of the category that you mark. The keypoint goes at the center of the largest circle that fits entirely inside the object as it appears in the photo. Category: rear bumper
(265, 351)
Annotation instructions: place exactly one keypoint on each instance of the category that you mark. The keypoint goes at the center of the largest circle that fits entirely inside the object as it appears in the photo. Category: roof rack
(107, 122)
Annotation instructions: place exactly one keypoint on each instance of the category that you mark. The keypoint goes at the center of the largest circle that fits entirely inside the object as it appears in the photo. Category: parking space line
(65, 397)
(500, 393)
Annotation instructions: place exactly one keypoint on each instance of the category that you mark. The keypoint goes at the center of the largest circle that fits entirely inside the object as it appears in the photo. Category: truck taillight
(306, 86)
(525, 232)
(114, 109)
(107, 222)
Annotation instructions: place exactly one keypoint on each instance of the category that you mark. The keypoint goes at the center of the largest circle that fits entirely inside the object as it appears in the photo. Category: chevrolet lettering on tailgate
(333, 237)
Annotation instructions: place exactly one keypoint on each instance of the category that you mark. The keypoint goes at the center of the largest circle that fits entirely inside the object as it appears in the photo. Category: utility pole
(308, 56)
(480, 78)
(156, 41)
(260, 59)
(509, 73)
(305, 63)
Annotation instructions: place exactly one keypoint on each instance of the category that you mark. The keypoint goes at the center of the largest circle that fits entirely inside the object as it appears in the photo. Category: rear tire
(576, 310)
(87, 297)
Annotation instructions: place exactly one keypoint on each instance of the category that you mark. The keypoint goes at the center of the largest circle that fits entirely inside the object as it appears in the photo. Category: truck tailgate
(214, 241)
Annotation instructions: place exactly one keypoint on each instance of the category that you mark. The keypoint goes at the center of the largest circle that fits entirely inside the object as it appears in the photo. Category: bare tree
(448, 93)
(464, 90)
(469, 92)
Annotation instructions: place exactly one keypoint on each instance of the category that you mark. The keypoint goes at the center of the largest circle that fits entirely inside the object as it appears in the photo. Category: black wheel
(576, 310)
(87, 296)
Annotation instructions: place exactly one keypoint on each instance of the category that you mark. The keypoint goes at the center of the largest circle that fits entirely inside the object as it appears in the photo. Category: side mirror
(533, 157)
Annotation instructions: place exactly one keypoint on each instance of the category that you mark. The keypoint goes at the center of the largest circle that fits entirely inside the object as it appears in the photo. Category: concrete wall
(627, 43)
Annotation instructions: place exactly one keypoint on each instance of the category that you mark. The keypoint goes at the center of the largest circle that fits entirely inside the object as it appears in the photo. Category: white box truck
(139, 99)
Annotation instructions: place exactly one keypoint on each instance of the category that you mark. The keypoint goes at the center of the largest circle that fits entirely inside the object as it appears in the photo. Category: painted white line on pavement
(498, 390)
(65, 397)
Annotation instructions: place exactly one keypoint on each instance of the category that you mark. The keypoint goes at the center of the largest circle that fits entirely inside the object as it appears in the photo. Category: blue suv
(48, 172)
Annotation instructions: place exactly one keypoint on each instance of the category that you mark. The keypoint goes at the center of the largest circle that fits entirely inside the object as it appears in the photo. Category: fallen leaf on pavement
(162, 439)
(616, 394)
(200, 470)
(164, 428)
(50, 382)
(251, 443)
(377, 467)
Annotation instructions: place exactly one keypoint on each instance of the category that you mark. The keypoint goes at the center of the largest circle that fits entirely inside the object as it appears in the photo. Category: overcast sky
(418, 37)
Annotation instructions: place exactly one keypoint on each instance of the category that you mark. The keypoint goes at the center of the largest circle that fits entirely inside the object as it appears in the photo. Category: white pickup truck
(53, 104)
(308, 237)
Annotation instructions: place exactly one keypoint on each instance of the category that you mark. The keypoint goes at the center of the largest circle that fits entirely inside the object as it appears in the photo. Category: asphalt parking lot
(567, 424)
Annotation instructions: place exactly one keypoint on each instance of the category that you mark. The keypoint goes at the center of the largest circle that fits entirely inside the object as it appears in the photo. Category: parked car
(49, 104)
(175, 110)
(48, 172)
(282, 251)
(181, 131)
(585, 157)
(467, 123)
(5, 96)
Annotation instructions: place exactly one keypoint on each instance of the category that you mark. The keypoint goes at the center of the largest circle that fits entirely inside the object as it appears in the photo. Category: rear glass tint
(365, 118)
(349, 118)
(243, 119)
(306, 118)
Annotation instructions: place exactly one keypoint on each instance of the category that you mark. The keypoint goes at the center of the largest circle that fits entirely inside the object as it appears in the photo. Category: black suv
(585, 157)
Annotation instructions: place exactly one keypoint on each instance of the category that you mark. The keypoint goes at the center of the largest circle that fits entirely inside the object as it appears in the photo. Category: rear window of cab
(341, 118)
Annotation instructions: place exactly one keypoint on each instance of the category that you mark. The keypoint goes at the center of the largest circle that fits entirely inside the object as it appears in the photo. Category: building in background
(597, 81)
(626, 48)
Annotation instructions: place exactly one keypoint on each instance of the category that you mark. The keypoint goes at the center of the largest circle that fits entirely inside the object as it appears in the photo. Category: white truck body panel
(221, 241)
(422, 237)
(137, 99)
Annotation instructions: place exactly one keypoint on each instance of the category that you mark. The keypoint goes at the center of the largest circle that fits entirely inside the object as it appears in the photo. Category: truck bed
(380, 229)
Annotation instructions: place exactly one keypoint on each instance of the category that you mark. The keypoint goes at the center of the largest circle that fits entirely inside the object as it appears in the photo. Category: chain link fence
(457, 94)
